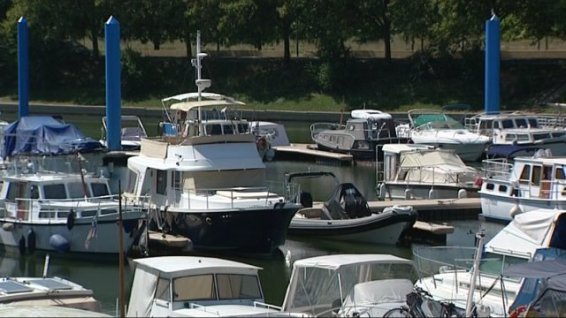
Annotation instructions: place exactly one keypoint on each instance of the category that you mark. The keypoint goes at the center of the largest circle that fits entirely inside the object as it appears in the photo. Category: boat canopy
(174, 266)
(370, 114)
(188, 106)
(430, 157)
(40, 135)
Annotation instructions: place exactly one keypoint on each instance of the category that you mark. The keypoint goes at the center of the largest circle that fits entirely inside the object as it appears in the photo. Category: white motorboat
(191, 286)
(413, 171)
(515, 134)
(63, 211)
(526, 184)
(447, 271)
(206, 179)
(349, 285)
(51, 200)
(435, 128)
(345, 215)
(269, 136)
(366, 129)
(132, 131)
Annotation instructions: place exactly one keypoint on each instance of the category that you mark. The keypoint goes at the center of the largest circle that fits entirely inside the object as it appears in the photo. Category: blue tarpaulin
(40, 135)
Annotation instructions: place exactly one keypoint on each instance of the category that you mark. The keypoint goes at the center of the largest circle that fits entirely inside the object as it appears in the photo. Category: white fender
(408, 194)
(462, 194)
(432, 194)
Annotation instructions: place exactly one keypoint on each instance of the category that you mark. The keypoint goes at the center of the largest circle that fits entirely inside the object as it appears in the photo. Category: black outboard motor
(346, 202)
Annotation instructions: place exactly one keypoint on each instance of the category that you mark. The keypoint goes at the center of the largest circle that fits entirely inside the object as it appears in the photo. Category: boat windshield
(224, 287)
(494, 264)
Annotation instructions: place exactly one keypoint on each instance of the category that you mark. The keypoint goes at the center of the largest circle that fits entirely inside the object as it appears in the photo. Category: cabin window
(162, 290)
(507, 123)
(558, 134)
(243, 128)
(521, 122)
(77, 190)
(238, 286)
(525, 175)
(54, 191)
(228, 129)
(486, 124)
(510, 137)
(213, 129)
(176, 181)
(502, 188)
(559, 174)
(88, 213)
(12, 192)
(533, 123)
(541, 136)
(495, 263)
(490, 186)
(34, 192)
(63, 215)
(107, 211)
(161, 183)
(131, 184)
(46, 215)
(199, 287)
(99, 189)
(535, 177)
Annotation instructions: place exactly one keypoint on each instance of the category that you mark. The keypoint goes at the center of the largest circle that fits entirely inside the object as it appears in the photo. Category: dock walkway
(309, 152)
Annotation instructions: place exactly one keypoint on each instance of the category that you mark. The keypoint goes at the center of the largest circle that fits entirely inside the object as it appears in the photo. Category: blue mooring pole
(492, 65)
(113, 92)
(23, 68)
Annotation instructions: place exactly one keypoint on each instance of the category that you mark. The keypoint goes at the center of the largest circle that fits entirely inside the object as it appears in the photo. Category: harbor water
(103, 275)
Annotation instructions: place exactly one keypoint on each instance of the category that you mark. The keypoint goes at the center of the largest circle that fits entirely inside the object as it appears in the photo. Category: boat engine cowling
(346, 202)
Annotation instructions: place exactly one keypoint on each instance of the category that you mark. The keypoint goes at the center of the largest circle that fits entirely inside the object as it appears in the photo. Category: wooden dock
(310, 153)
(436, 209)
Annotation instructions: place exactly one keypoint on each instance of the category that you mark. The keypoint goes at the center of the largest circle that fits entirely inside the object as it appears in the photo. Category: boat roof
(49, 177)
(187, 101)
(399, 148)
(370, 114)
(336, 261)
(182, 265)
(542, 160)
(527, 232)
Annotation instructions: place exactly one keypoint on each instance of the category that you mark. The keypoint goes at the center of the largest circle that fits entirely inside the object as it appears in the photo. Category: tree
(372, 20)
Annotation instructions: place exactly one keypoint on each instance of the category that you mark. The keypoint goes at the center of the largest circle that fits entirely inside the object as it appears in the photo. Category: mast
(201, 83)
(475, 272)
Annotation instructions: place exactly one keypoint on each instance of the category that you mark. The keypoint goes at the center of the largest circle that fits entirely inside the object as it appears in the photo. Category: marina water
(103, 276)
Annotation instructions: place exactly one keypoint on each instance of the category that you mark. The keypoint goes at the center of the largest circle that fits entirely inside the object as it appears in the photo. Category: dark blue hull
(249, 231)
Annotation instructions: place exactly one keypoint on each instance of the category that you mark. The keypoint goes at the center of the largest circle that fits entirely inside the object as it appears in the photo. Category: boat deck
(309, 152)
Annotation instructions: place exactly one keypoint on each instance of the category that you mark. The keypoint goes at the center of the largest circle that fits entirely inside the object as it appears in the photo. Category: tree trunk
(94, 39)
(188, 47)
(386, 31)
(286, 42)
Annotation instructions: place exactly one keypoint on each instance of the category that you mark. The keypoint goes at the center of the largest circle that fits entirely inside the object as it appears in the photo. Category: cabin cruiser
(360, 136)
(53, 199)
(450, 269)
(413, 171)
(269, 136)
(206, 180)
(526, 184)
(194, 286)
(435, 128)
(345, 215)
(515, 134)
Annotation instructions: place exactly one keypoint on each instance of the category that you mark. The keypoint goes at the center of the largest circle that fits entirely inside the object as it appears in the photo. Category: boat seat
(306, 199)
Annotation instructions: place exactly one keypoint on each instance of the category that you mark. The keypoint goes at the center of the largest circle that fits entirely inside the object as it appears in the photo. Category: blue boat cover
(40, 135)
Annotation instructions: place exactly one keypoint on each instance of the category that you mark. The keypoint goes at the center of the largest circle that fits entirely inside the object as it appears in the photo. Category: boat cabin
(527, 136)
(21, 195)
(194, 286)
(543, 178)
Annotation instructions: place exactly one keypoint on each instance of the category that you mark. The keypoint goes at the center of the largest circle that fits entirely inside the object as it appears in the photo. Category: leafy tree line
(437, 29)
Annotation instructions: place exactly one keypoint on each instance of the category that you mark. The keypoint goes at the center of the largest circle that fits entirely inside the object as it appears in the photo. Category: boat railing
(497, 168)
(27, 209)
(261, 196)
(267, 306)
(432, 260)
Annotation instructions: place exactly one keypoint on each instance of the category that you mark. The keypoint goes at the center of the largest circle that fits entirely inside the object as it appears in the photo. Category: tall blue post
(113, 92)
(492, 65)
(23, 68)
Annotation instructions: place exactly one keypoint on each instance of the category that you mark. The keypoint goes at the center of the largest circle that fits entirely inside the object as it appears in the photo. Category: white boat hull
(502, 208)
(85, 236)
(466, 151)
